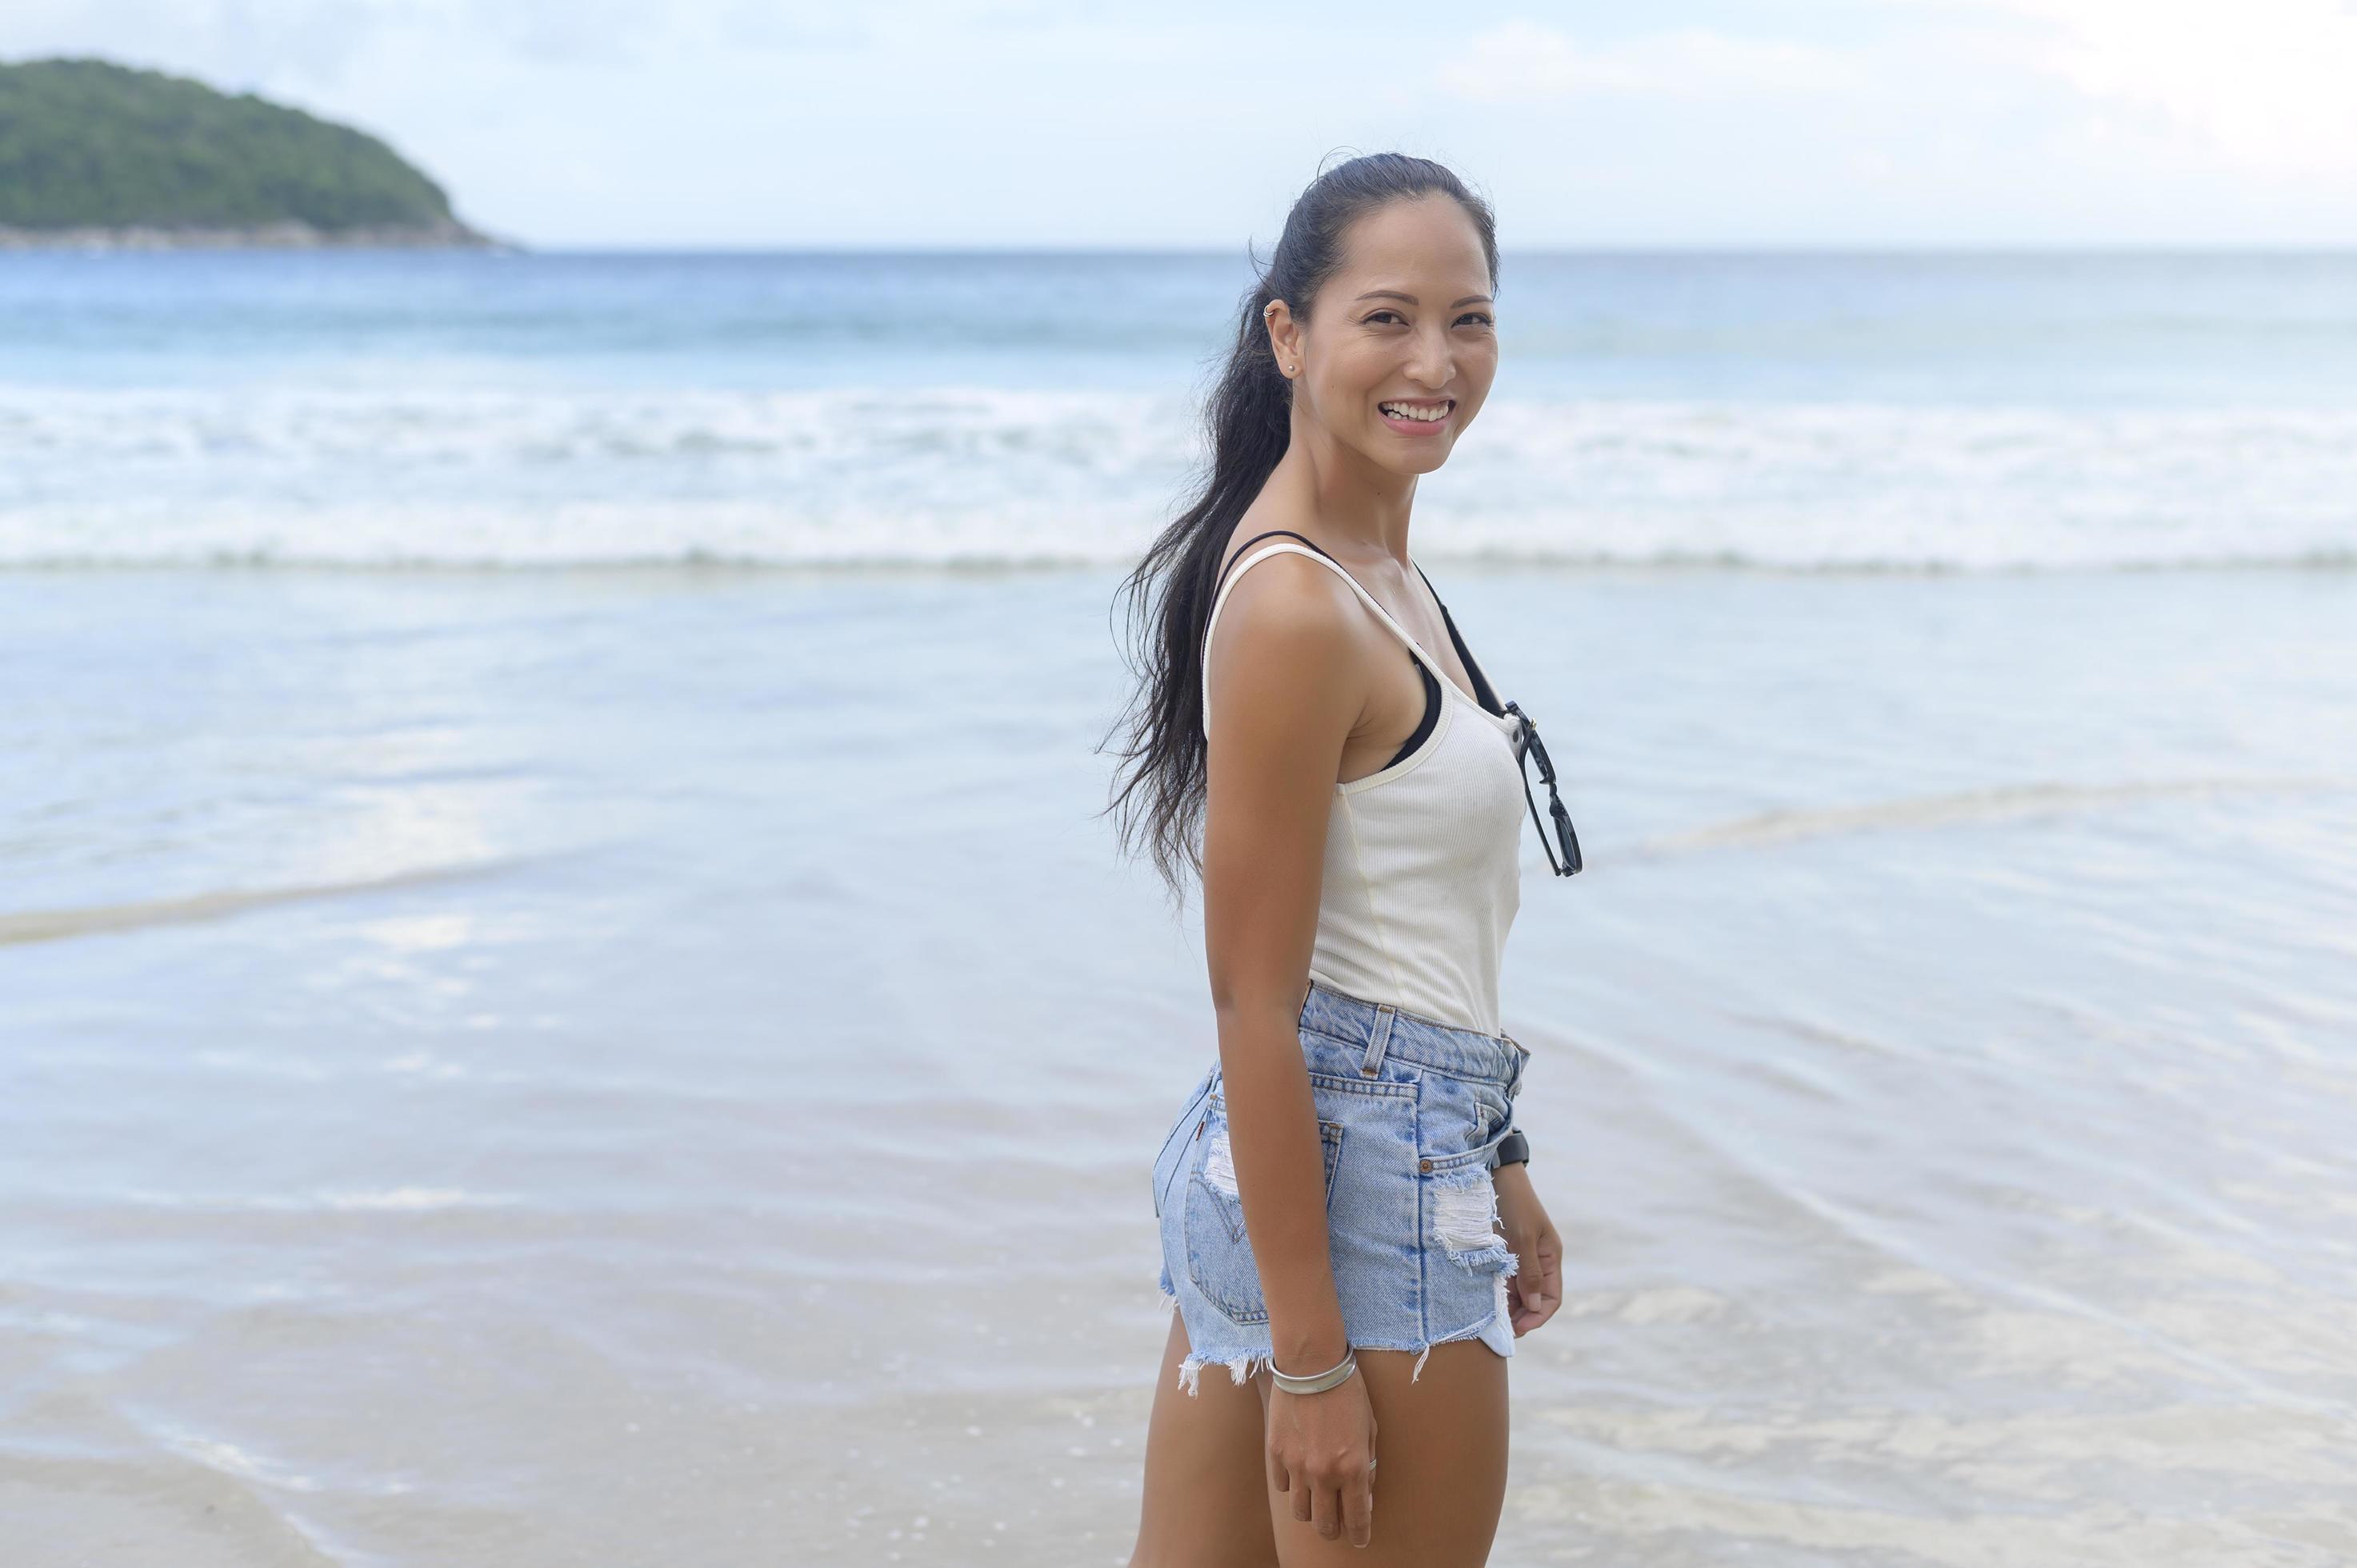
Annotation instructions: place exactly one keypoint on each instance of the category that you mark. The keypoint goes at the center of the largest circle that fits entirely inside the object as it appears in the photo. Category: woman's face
(1407, 318)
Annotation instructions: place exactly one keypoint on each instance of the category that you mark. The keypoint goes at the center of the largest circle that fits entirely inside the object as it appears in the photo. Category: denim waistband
(1382, 1031)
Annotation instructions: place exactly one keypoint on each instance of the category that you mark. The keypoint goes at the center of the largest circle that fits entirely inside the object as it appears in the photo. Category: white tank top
(1422, 877)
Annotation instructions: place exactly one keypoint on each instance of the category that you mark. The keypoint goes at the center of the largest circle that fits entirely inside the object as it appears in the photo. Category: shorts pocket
(1460, 1122)
(1174, 1144)
(1220, 1259)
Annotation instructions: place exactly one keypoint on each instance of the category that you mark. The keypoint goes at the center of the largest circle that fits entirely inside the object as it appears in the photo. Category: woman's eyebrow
(1395, 294)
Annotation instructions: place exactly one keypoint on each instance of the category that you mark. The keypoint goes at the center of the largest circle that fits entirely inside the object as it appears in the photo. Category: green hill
(86, 144)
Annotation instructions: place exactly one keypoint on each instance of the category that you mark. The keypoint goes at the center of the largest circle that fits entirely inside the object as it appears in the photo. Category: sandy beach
(632, 1066)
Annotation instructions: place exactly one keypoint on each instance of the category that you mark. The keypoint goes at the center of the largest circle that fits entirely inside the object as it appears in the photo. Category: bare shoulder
(1287, 643)
(1284, 597)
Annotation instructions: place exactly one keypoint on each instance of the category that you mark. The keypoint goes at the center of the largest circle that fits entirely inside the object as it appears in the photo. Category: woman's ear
(1284, 337)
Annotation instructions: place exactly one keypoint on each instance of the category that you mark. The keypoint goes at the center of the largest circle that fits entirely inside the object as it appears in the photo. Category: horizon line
(1876, 247)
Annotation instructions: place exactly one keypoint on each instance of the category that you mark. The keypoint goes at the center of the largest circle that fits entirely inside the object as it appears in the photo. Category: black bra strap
(1481, 681)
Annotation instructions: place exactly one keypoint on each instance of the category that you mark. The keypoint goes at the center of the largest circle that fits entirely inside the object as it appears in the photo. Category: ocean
(566, 995)
(1795, 411)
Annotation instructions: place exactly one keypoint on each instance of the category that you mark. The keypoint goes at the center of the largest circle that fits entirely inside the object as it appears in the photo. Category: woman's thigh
(1440, 1465)
(1205, 1477)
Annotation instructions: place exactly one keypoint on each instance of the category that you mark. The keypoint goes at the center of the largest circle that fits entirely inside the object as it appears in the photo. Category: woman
(1328, 1198)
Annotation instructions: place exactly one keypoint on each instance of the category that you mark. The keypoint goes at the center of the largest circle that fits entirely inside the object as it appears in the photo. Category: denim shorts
(1410, 1111)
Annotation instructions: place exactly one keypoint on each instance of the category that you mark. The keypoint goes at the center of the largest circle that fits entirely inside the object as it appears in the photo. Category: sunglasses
(1527, 745)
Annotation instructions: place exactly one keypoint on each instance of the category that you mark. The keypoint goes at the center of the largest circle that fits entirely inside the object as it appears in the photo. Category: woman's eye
(1484, 319)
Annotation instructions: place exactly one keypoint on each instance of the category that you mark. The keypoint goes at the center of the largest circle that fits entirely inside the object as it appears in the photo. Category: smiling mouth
(1419, 413)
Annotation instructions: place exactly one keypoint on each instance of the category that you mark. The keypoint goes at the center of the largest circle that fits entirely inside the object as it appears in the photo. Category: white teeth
(1428, 413)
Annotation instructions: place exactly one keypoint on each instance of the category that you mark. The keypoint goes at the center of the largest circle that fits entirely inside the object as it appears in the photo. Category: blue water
(1787, 410)
(2132, 329)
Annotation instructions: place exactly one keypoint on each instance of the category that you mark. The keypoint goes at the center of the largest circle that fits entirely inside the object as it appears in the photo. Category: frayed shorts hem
(1242, 1369)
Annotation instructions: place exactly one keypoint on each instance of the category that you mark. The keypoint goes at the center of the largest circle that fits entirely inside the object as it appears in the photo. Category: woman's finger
(1358, 1507)
(1534, 1296)
(1327, 1519)
(1525, 1248)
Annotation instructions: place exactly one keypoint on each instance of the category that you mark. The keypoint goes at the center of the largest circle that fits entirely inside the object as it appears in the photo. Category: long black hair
(1249, 414)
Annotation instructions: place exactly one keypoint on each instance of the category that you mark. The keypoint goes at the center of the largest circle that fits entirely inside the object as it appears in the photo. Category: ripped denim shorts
(1410, 1111)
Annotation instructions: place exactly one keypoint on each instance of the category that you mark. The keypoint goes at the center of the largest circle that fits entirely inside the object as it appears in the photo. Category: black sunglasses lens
(1569, 839)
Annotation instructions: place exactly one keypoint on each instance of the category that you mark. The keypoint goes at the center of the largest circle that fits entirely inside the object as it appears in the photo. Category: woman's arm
(1286, 690)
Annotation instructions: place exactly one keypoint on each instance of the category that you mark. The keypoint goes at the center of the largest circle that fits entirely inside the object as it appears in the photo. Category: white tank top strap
(1258, 553)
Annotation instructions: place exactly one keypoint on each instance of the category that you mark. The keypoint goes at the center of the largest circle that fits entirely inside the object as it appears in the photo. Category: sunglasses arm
(1530, 745)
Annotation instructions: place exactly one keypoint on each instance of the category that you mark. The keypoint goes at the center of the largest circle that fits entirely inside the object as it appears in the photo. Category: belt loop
(1380, 1040)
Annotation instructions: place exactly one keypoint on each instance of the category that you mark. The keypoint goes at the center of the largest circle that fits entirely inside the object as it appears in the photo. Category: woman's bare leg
(1440, 1465)
(1205, 1478)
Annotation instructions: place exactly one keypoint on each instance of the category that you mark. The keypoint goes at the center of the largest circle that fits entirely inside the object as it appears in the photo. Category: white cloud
(265, 39)
(1522, 61)
(2270, 84)
(2264, 87)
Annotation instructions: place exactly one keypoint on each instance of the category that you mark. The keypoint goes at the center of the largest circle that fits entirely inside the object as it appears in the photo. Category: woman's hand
(1321, 1449)
(1536, 1285)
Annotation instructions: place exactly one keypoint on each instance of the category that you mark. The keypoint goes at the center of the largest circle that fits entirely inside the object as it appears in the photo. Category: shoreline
(288, 235)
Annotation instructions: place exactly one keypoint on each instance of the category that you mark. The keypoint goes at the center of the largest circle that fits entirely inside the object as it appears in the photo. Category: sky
(937, 123)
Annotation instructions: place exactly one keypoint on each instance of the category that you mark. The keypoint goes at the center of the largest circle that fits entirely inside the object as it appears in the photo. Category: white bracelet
(1316, 1382)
